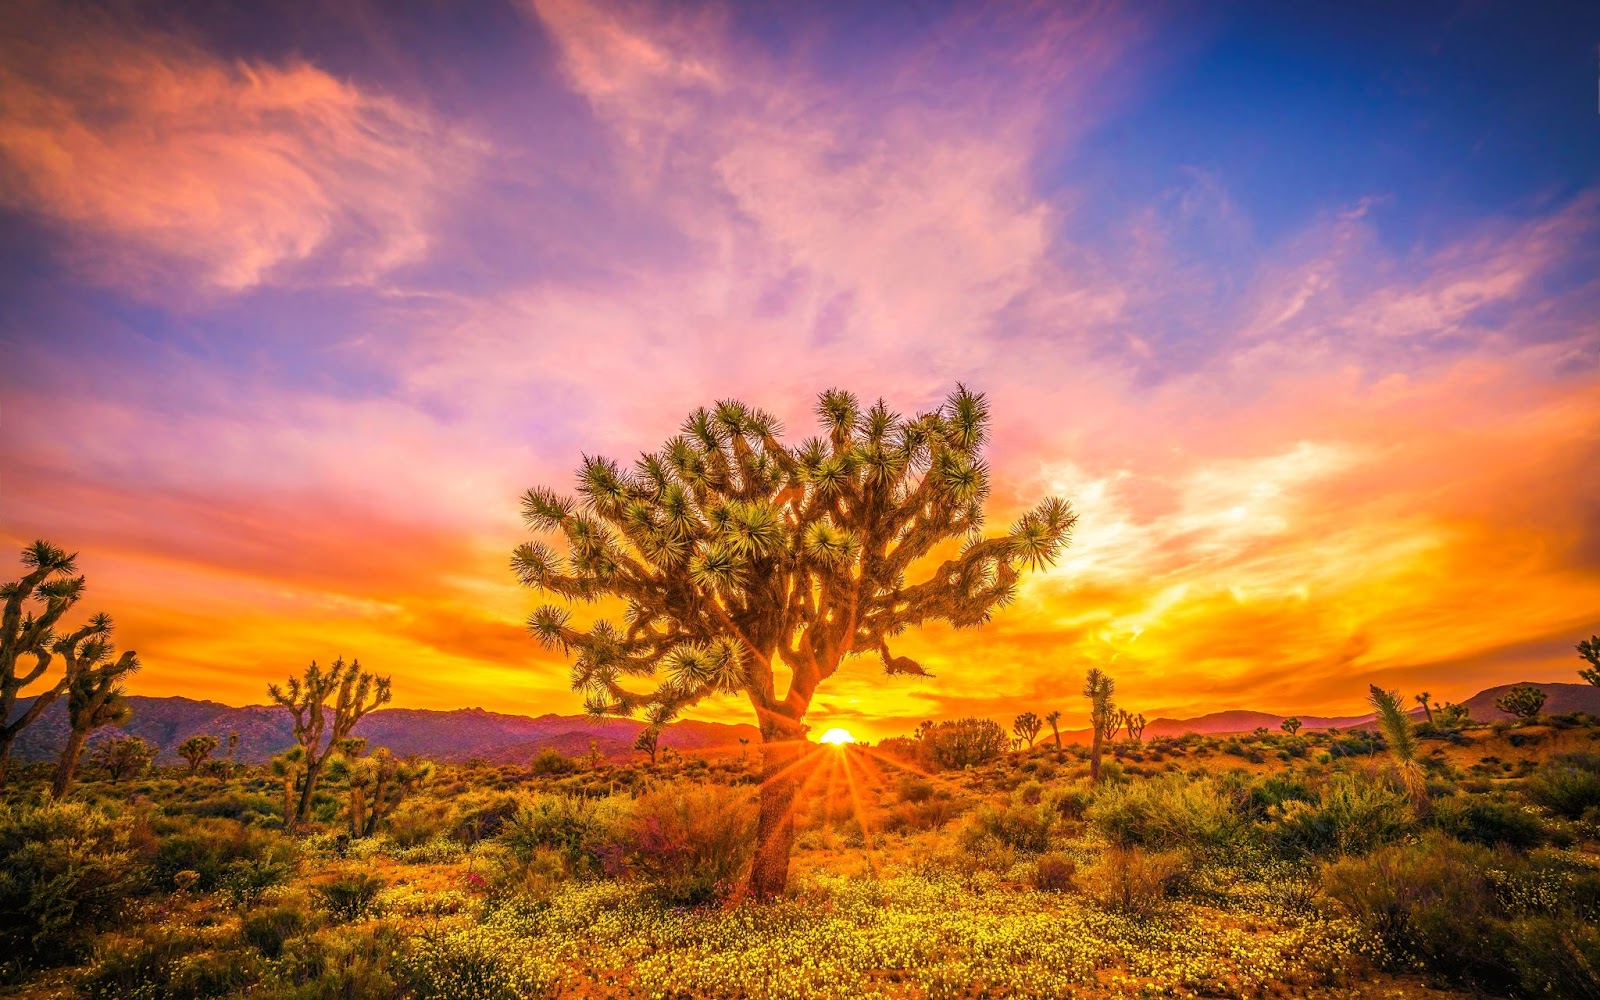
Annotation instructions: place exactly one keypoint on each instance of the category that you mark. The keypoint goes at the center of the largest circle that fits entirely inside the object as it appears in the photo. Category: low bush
(267, 930)
(168, 963)
(1019, 825)
(1053, 872)
(215, 848)
(1203, 815)
(1131, 880)
(578, 830)
(66, 870)
(1567, 785)
(350, 896)
(1350, 815)
(1490, 821)
(689, 843)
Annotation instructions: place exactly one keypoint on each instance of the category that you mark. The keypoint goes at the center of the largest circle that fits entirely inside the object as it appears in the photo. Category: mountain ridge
(460, 734)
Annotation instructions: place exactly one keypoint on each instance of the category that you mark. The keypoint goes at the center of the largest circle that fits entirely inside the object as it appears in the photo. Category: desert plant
(288, 769)
(350, 896)
(1589, 650)
(1400, 736)
(1098, 688)
(354, 693)
(269, 929)
(1132, 880)
(578, 831)
(1427, 707)
(1199, 815)
(1350, 815)
(1053, 872)
(690, 843)
(65, 870)
(1291, 725)
(196, 749)
(1451, 717)
(1523, 701)
(123, 757)
(954, 744)
(49, 583)
(1486, 820)
(736, 554)
(1054, 718)
(550, 761)
(94, 691)
(1568, 785)
(1134, 724)
(1027, 726)
(377, 783)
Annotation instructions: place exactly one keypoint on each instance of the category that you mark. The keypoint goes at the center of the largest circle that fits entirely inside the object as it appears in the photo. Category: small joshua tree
(354, 693)
(649, 742)
(1453, 717)
(1027, 726)
(378, 783)
(1134, 724)
(196, 749)
(1589, 649)
(741, 560)
(28, 632)
(1291, 725)
(233, 746)
(657, 718)
(1427, 707)
(1523, 701)
(123, 757)
(1098, 688)
(1400, 736)
(289, 769)
(94, 691)
(1054, 718)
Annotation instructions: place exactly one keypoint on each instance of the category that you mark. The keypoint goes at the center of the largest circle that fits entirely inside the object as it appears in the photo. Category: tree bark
(1094, 756)
(68, 765)
(302, 811)
(6, 739)
(780, 781)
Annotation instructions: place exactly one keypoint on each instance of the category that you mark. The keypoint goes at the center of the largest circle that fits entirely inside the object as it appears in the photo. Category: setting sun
(838, 737)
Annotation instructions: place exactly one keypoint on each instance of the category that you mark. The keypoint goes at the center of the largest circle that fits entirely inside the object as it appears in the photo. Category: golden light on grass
(838, 737)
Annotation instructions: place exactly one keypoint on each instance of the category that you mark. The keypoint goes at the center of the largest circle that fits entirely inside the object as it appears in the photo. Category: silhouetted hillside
(458, 735)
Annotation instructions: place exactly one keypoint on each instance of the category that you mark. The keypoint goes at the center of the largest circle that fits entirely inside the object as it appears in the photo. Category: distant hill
(465, 733)
(458, 735)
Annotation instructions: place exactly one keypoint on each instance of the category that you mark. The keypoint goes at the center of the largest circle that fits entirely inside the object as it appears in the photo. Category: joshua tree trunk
(302, 810)
(68, 767)
(1094, 756)
(780, 782)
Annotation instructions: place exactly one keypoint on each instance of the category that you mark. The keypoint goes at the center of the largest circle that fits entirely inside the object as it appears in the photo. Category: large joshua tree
(737, 558)
(94, 691)
(32, 607)
(319, 727)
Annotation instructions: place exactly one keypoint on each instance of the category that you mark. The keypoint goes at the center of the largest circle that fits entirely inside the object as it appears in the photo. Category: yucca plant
(737, 556)
(353, 693)
(1400, 736)
(94, 691)
(1103, 716)
(30, 607)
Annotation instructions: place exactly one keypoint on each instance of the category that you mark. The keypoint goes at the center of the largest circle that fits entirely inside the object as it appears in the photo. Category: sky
(1296, 303)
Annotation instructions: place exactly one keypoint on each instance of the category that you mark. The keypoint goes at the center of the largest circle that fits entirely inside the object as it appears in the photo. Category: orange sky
(298, 319)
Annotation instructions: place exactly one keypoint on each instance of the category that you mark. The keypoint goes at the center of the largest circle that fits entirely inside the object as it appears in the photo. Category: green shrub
(550, 761)
(1169, 812)
(1567, 785)
(167, 963)
(1018, 825)
(1476, 917)
(66, 870)
(219, 848)
(575, 828)
(1349, 815)
(269, 929)
(960, 743)
(1131, 880)
(350, 896)
(915, 789)
(1480, 819)
(689, 843)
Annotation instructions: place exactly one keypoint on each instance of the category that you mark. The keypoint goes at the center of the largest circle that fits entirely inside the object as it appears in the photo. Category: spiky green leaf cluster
(733, 552)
